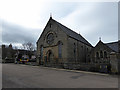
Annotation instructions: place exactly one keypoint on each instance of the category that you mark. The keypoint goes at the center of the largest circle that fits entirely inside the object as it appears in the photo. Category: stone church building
(59, 44)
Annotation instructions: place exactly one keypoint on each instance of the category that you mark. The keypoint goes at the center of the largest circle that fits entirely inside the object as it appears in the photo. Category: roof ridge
(65, 26)
(112, 42)
(77, 35)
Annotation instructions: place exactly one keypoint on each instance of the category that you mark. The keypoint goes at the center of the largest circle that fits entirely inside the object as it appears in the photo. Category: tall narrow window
(105, 54)
(50, 25)
(87, 49)
(41, 51)
(60, 49)
(101, 54)
(74, 51)
(97, 55)
(49, 55)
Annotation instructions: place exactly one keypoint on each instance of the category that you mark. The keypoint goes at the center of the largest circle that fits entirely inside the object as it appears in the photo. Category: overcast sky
(24, 20)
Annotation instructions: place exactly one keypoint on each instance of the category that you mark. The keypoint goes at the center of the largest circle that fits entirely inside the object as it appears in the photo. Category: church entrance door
(49, 56)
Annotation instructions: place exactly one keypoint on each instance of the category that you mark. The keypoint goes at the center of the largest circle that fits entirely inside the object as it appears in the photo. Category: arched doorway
(49, 56)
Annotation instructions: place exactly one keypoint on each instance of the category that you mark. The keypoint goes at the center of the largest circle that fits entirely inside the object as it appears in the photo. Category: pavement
(26, 76)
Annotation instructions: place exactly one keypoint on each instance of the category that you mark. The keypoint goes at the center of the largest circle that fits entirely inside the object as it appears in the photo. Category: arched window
(101, 54)
(59, 49)
(41, 51)
(105, 54)
(97, 55)
(49, 55)
(50, 38)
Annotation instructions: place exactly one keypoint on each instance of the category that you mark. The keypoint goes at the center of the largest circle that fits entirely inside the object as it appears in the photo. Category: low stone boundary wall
(8, 60)
(85, 67)
(31, 63)
(81, 66)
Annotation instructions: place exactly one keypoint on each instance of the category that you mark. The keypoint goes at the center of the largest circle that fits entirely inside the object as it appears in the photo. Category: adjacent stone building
(59, 44)
(106, 54)
(7, 52)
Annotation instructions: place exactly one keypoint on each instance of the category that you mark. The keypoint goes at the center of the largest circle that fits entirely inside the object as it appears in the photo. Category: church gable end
(51, 30)
(58, 43)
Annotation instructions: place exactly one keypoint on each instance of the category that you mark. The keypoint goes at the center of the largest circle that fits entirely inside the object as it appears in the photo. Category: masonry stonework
(74, 48)
(60, 45)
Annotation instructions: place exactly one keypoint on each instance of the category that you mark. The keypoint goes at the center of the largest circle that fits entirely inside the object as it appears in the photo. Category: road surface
(25, 76)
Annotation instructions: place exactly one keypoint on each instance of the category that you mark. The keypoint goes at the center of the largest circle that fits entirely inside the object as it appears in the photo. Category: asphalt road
(25, 76)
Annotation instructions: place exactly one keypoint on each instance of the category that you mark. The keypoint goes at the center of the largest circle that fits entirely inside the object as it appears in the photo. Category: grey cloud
(12, 33)
(59, 9)
(65, 8)
(105, 17)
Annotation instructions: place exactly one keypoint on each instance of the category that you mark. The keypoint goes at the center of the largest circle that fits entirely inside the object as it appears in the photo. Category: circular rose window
(50, 38)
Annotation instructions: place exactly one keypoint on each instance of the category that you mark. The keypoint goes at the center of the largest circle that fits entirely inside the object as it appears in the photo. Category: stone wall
(7, 52)
(114, 62)
(82, 50)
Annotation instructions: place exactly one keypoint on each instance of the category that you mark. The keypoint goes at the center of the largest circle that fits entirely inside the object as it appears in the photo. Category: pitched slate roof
(113, 46)
(72, 34)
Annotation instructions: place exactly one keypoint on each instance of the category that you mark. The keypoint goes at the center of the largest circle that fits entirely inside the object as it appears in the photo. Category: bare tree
(28, 46)
(24, 45)
(15, 48)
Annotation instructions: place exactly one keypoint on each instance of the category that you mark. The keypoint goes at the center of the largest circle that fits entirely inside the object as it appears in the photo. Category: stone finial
(99, 38)
(51, 15)
(3, 46)
(10, 45)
